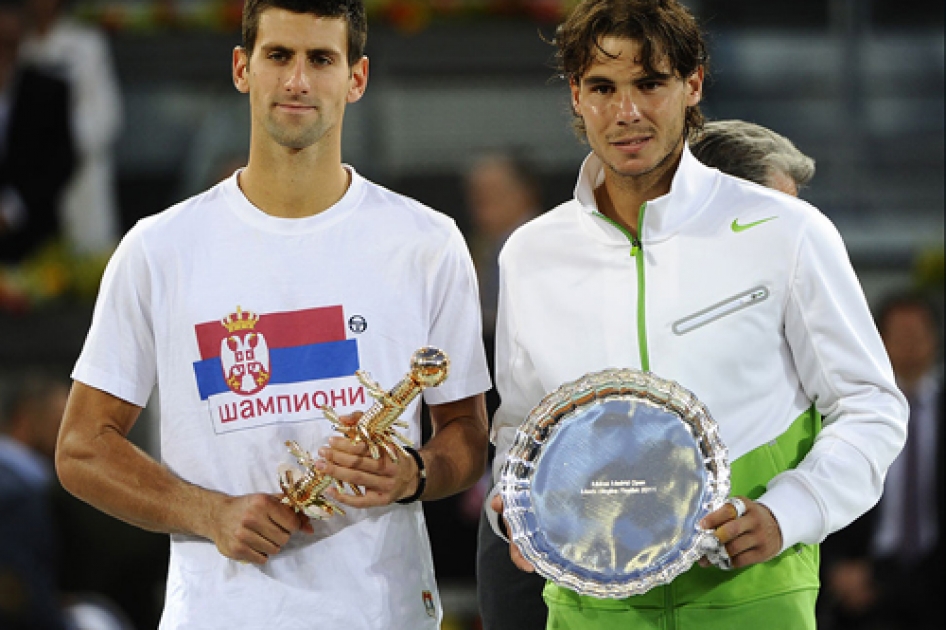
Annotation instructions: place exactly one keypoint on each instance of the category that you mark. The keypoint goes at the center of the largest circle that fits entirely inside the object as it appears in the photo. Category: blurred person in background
(45, 563)
(796, 376)
(37, 154)
(107, 567)
(248, 308)
(30, 414)
(79, 54)
(752, 152)
(502, 193)
(885, 571)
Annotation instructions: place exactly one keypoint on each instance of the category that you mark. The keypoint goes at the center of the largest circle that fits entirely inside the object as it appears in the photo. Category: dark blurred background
(856, 84)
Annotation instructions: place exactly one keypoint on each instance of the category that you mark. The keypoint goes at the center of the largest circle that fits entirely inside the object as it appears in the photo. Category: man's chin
(296, 142)
(638, 166)
(624, 169)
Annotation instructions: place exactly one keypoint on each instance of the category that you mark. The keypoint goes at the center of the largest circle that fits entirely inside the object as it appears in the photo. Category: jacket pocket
(720, 310)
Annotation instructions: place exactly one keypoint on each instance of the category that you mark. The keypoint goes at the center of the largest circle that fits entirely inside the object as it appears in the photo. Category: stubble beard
(296, 137)
(654, 171)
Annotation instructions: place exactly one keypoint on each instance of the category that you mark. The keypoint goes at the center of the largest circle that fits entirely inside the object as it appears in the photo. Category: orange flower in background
(408, 16)
(52, 275)
(164, 13)
(232, 14)
(550, 11)
(113, 18)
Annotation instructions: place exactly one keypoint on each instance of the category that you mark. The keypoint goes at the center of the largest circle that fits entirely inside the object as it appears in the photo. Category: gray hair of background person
(750, 151)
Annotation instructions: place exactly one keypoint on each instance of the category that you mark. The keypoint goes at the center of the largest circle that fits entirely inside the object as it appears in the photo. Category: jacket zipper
(637, 252)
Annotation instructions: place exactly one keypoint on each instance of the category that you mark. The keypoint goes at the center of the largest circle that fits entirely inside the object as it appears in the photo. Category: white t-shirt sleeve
(119, 352)
(844, 369)
(456, 326)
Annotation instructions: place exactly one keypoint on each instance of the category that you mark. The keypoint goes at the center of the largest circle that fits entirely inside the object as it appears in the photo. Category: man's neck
(294, 184)
(621, 197)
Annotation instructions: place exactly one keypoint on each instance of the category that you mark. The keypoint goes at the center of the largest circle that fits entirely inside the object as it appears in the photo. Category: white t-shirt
(248, 323)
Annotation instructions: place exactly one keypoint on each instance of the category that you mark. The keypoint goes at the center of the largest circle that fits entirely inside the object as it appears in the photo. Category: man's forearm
(97, 463)
(455, 455)
(113, 475)
(109, 472)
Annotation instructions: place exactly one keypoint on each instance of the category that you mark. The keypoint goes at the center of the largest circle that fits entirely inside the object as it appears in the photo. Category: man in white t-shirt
(251, 306)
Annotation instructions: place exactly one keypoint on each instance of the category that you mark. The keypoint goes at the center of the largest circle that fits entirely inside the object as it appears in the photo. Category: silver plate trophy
(608, 479)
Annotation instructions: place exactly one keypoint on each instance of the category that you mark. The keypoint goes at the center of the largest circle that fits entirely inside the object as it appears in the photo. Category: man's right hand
(254, 527)
(514, 554)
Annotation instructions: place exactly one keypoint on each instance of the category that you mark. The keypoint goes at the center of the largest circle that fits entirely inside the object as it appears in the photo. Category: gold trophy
(306, 493)
(376, 428)
(429, 367)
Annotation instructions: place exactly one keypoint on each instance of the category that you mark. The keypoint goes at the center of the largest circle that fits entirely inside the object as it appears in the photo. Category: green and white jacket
(741, 294)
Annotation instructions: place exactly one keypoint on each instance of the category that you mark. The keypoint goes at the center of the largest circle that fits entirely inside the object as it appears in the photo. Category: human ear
(695, 87)
(359, 80)
(575, 87)
(241, 63)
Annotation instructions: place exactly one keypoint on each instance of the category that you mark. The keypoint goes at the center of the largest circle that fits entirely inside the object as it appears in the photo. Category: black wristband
(421, 477)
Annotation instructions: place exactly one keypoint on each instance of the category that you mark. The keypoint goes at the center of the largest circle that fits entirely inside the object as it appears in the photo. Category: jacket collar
(690, 191)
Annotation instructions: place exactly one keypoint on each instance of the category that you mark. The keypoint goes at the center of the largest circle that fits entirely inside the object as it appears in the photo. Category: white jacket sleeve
(519, 389)
(844, 370)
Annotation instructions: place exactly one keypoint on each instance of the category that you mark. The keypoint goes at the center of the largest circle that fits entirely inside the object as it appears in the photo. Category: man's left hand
(750, 539)
(382, 480)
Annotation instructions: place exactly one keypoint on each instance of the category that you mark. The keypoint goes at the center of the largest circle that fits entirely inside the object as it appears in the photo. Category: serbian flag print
(258, 369)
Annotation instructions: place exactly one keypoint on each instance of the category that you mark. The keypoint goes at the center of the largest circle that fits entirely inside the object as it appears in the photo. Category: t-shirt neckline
(252, 215)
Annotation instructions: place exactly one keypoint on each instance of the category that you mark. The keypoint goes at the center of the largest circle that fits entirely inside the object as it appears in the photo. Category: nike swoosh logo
(742, 228)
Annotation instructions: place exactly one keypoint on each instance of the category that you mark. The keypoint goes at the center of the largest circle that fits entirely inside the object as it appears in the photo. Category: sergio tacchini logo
(737, 228)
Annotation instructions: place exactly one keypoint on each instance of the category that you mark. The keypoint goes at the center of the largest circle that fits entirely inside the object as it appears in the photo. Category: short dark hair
(664, 28)
(750, 151)
(352, 11)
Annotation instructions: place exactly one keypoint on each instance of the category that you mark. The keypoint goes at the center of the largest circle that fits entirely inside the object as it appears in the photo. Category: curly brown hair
(664, 28)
